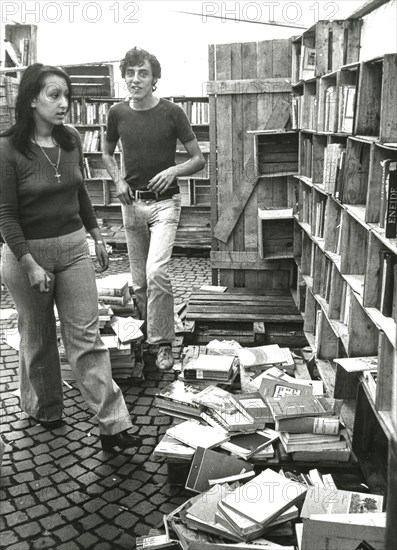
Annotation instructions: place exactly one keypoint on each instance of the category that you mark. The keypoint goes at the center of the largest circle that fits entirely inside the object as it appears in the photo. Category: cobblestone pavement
(58, 489)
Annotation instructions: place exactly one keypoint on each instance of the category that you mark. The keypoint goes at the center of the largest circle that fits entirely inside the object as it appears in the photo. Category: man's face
(139, 80)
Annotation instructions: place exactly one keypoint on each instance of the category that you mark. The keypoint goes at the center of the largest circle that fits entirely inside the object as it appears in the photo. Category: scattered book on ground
(178, 397)
(276, 383)
(250, 445)
(194, 434)
(210, 465)
(261, 356)
(329, 425)
(213, 367)
(293, 406)
(172, 448)
(263, 498)
(127, 329)
(344, 531)
(328, 500)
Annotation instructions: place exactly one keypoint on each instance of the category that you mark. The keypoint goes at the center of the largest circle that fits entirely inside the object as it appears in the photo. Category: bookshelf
(345, 197)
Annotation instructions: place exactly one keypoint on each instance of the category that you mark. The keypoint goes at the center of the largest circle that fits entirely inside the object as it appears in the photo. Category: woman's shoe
(123, 440)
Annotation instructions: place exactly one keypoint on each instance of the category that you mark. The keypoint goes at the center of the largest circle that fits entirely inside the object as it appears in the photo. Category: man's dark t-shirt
(148, 138)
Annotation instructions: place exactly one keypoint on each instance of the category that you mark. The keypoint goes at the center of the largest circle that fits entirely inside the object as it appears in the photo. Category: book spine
(391, 209)
(319, 425)
(116, 300)
(111, 292)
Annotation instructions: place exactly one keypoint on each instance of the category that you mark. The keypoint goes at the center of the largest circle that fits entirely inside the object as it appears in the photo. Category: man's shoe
(123, 440)
(51, 424)
(165, 358)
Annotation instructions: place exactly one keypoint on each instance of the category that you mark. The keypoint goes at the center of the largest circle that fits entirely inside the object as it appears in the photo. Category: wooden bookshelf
(346, 267)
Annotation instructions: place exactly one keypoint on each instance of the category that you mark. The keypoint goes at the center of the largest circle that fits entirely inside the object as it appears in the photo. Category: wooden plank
(237, 243)
(366, 8)
(282, 52)
(265, 59)
(280, 115)
(251, 260)
(249, 86)
(322, 47)
(235, 204)
(352, 48)
(388, 116)
(269, 318)
(213, 158)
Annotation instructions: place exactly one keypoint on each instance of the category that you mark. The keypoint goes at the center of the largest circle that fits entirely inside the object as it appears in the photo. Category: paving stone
(91, 521)
(37, 511)
(108, 532)
(58, 504)
(71, 514)
(24, 477)
(43, 543)
(87, 540)
(19, 546)
(8, 538)
(66, 533)
(52, 522)
(25, 502)
(28, 530)
(126, 520)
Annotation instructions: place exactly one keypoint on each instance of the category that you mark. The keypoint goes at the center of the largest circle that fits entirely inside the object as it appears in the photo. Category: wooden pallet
(251, 317)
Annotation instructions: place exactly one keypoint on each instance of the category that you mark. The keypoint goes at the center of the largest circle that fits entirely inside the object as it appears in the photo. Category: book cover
(171, 447)
(261, 356)
(256, 407)
(344, 531)
(328, 500)
(264, 497)
(276, 383)
(115, 300)
(194, 434)
(249, 445)
(292, 406)
(127, 329)
(248, 529)
(208, 465)
(113, 285)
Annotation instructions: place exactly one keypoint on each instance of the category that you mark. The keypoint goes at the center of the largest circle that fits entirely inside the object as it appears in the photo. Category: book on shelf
(274, 213)
(172, 448)
(249, 445)
(209, 367)
(208, 465)
(347, 97)
(330, 109)
(300, 406)
(331, 170)
(357, 364)
(371, 378)
(263, 498)
(344, 531)
(328, 500)
(388, 198)
(388, 261)
(191, 432)
(308, 63)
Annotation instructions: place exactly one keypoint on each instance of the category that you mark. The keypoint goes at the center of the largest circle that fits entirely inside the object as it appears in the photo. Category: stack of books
(114, 290)
(212, 368)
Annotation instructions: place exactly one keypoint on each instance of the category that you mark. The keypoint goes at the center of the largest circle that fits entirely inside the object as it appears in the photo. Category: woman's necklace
(55, 166)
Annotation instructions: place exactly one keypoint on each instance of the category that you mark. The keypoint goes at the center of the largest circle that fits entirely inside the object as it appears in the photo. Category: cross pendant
(58, 177)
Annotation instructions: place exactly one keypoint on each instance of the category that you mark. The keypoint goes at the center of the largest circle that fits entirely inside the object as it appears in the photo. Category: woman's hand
(102, 255)
(38, 277)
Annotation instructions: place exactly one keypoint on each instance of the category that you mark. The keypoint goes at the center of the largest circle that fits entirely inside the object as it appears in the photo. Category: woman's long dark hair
(30, 86)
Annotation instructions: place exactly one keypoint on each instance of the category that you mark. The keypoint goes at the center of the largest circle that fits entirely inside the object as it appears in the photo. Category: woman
(45, 261)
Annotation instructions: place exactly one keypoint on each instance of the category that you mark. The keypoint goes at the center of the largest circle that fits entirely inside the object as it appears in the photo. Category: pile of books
(114, 290)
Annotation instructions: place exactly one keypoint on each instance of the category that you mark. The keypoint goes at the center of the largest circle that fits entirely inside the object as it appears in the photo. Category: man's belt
(150, 195)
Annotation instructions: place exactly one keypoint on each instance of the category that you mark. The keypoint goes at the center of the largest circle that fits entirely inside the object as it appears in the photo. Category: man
(148, 128)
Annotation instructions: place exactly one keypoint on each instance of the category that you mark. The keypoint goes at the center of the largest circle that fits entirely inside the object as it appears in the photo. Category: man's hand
(124, 192)
(161, 181)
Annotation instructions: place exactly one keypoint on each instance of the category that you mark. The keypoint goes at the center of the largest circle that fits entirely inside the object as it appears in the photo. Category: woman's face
(50, 106)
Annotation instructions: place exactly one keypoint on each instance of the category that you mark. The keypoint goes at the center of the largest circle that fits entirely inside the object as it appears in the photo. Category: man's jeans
(150, 229)
(73, 289)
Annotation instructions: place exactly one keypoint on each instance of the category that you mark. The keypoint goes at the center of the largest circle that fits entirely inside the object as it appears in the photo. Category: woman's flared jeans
(73, 290)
